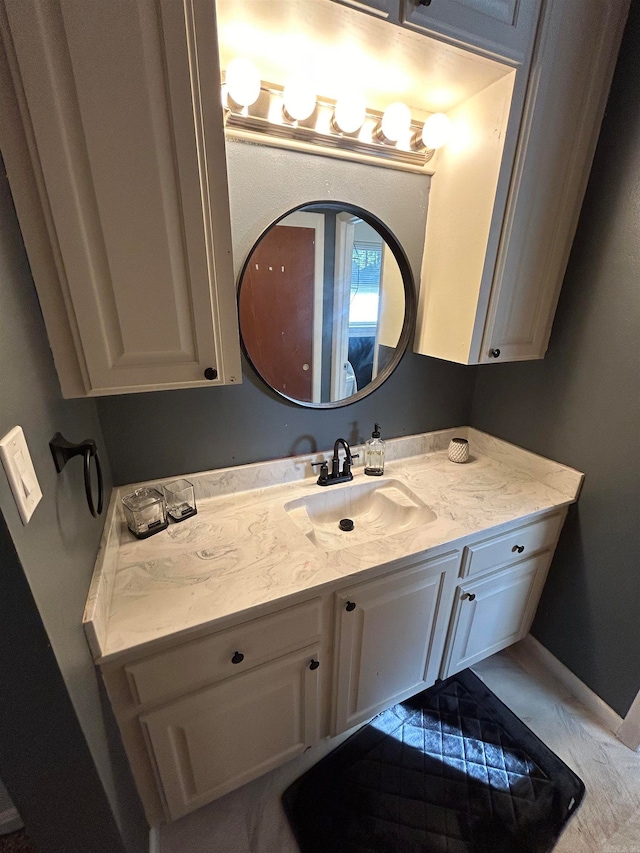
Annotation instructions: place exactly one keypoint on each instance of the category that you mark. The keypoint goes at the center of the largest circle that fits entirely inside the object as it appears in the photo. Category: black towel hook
(63, 450)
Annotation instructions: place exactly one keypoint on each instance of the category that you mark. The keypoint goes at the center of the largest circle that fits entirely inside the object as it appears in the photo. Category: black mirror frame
(410, 307)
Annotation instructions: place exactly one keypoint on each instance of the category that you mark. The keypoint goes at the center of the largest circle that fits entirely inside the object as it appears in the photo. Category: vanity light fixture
(349, 113)
(298, 99)
(242, 79)
(435, 133)
(394, 124)
(294, 116)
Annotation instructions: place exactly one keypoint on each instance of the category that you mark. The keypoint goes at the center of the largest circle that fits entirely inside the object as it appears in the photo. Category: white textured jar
(458, 450)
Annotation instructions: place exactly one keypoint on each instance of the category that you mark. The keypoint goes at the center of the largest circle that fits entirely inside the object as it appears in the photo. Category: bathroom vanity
(240, 638)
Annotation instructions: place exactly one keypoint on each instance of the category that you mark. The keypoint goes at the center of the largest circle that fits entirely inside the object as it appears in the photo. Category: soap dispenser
(374, 454)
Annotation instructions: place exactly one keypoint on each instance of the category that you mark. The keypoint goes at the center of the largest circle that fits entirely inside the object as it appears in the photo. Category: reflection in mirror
(326, 304)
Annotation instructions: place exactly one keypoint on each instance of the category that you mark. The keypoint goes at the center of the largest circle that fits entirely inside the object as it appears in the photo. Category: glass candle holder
(458, 450)
(145, 512)
(180, 499)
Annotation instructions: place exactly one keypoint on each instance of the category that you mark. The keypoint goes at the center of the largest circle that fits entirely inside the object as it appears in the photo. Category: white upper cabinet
(501, 27)
(388, 9)
(569, 85)
(505, 201)
(114, 145)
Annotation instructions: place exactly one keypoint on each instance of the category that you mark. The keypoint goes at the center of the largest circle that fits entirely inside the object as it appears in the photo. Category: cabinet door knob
(494, 353)
(350, 606)
(314, 664)
(518, 548)
(211, 373)
(424, 2)
(470, 596)
(238, 657)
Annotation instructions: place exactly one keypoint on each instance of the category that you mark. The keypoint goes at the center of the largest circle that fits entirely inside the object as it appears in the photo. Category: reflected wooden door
(276, 309)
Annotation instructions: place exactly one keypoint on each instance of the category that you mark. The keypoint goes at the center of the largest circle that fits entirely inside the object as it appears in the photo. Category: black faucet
(337, 475)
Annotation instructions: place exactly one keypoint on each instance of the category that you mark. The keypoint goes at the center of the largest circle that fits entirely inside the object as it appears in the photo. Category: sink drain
(346, 524)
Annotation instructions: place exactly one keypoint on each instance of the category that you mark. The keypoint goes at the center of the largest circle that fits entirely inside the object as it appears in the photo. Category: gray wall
(166, 433)
(266, 182)
(581, 406)
(9, 818)
(58, 547)
(44, 755)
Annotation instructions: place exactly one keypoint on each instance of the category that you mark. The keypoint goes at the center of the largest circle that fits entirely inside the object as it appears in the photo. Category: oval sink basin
(377, 509)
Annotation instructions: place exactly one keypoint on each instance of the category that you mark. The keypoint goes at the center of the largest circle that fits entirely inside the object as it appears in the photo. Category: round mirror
(326, 304)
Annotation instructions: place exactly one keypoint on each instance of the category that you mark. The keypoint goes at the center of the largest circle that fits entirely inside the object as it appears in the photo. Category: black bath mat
(451, 770)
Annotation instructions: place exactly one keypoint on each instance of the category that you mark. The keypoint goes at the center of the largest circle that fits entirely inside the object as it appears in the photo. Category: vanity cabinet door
(213, 741)
(391, 634)
(501, 27)
(492, 613)
(116, 161)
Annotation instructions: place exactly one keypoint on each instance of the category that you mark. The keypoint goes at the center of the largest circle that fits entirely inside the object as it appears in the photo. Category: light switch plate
(20, 472)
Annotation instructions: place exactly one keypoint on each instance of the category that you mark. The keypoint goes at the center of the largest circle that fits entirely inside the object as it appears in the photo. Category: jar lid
(141, 499)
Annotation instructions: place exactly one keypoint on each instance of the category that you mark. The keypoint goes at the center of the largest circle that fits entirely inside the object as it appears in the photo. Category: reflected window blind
(366, 264)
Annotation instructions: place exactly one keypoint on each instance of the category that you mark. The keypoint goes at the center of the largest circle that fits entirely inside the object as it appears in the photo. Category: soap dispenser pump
(374, 454)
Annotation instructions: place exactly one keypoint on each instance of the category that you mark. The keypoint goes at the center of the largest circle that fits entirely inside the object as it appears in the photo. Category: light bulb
(436, 131)
(349, 113)
(243, 82)
(396, 121)
(299, 99)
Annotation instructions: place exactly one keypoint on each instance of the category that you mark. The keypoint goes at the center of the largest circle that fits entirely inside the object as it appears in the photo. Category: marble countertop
(242, 550)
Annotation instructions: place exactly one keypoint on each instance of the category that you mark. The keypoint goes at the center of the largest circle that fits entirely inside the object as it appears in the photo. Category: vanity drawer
(511, 546)
(225, 653)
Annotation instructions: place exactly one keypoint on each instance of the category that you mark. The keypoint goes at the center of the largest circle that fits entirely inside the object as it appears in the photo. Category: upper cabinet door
(570, 78)
(502, 217)
(504, 28)
(387, 9)
(123, 202)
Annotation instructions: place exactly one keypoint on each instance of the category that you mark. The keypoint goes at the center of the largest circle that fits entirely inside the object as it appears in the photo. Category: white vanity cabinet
(389, 637)
(114, 147)
(213, 741)
(494, 607)
(207, 715)
(494, 612)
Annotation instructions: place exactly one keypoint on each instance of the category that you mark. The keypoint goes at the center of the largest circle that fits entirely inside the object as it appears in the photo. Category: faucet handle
(323, 479)
(346, 465)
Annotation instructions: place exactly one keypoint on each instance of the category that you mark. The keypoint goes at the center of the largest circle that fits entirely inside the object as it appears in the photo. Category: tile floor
(251, 820)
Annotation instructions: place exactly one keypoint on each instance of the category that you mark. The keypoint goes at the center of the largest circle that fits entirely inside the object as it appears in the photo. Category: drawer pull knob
(470, 596)
(314, 664)
(350, 606)
(494, 353)
(518, 548)
(238, 657)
